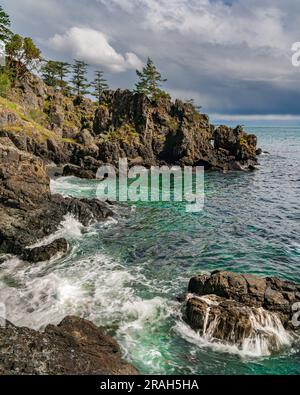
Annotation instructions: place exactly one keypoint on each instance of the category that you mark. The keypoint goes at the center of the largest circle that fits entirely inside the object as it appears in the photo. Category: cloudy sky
(232, 56)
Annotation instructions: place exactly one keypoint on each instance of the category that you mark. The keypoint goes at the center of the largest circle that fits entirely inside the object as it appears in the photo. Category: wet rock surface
(46, 252)
(242, 309)
(28, 210)
(75, 346)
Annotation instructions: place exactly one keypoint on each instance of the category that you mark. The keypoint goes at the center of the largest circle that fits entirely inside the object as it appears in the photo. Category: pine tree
(100, 85)
(23, 55)
(79, 79)
(63, 70)
(5, 32)
(149, 81)
(50, 73)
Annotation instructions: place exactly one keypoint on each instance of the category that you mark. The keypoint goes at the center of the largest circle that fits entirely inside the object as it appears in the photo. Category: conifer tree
(149, 81)
(63, 70)
(23, 55)
(5, 32)
(99, 84)
(50, 73)
(79, 79)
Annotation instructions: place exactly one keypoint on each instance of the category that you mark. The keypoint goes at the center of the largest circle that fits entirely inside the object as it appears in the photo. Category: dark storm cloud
(232, 57)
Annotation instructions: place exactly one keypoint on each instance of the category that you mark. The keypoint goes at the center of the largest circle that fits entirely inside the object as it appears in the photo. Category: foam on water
(70, 228)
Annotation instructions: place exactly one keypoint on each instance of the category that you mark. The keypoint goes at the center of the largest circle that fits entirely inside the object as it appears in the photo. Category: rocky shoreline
(75, 346)
(40, 127)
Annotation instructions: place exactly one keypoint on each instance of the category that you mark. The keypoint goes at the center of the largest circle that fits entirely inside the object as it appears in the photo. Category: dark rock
(75, 346)
(270, 293)
(246, 328)
(45, 253)
(259, 151)
(28, 211)
(76, 171)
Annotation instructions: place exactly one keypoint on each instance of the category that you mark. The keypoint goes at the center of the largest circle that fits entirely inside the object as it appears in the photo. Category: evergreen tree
(23, 55)
(5, 32)
(149, 81)
(50, 73)
(63, 70)
(100, 85)
(79, 79)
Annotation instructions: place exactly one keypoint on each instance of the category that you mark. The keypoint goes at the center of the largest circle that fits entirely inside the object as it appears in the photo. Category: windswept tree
(99, 84)
(149, 81)
(5, 32)
(23, 55)
(63, 70)
(79, 78)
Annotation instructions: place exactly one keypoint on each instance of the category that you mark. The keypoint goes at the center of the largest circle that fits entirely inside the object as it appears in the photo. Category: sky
(232, 57)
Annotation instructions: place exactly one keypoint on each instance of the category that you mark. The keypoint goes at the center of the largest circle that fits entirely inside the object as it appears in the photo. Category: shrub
(4, 84)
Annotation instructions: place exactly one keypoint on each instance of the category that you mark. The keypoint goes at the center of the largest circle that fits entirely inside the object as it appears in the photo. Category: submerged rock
(75, 346)
(244, 310)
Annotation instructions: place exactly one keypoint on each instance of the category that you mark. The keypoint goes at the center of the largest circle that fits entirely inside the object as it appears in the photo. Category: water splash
(265, 336)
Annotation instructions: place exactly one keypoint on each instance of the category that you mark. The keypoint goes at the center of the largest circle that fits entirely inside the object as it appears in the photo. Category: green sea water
(125, 274)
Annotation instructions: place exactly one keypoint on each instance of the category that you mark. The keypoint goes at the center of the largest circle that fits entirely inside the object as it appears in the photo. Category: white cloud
(93, 47)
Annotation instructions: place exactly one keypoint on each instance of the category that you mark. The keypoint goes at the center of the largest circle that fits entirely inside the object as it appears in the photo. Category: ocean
(124, 274)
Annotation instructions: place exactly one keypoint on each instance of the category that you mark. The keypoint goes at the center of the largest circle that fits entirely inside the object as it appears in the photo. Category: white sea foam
(267, 334)
(70, 229)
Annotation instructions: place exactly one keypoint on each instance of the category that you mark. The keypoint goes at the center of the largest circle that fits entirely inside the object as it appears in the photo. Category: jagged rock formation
(75, 346)
(85, 135)
(29, 212)
(243, 310)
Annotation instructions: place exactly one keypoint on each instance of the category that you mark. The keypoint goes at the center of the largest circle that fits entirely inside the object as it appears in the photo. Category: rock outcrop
(75, 346)
(85, 135)
(243, 310)
(28, 211)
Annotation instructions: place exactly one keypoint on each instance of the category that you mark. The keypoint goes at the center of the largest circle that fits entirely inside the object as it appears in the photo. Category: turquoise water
(125, 274)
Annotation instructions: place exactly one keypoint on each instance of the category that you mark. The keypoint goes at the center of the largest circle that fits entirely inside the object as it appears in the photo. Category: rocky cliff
(84, 135)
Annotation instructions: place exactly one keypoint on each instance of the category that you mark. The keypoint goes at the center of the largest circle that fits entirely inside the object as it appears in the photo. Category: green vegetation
(79, 79)
(54, 73)
(100, 85)
(126, 134)
(149, 81)
(50, 73)
(4, 83)
(22, 55)
(5, 32)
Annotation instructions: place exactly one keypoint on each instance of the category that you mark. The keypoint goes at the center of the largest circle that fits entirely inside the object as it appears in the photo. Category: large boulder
(270, 293)
(75, 346)
(242, 309)
(249, 329)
